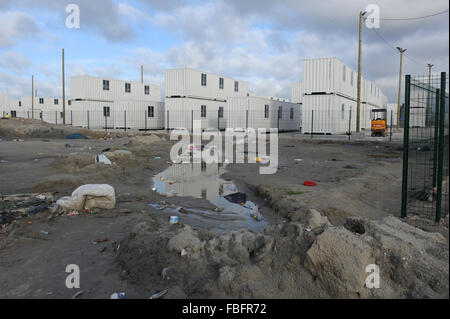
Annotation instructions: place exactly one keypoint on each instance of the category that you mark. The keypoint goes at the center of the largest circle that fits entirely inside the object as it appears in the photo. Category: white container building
(297, 93)
(181, 111)
(186, 82)
(198, 95)
(48, 109)
(262, 112)
(109, 103)
(329, 88)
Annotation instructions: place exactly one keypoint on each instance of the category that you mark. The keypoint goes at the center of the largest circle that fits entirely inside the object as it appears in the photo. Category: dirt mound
(290, 261)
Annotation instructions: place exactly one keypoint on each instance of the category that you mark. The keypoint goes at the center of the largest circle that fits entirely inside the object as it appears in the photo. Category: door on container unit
(107, 119)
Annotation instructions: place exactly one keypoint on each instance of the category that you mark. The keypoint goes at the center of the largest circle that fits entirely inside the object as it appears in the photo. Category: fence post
(145, 121)
(390, 127)
(350, 124)
(278, 120)
(312, 123)
(436, 136)
(28, 114)
(71, 118)
(167, 121)
(246, 119)
(88, 120)
(218, 119)
(405, 148)
(441, 148)
(106, 123)
(192, 122)
(125, 120)
(56, 117)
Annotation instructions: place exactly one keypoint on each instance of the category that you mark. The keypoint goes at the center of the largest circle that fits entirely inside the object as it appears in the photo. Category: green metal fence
(425, 158)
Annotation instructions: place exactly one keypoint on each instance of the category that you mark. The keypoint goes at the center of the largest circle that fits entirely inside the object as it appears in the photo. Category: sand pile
(311, 259)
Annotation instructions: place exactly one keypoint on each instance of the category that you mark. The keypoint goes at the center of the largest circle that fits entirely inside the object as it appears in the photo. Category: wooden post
(63, 90)
(358, 97)
(32, 97)
(399, 85)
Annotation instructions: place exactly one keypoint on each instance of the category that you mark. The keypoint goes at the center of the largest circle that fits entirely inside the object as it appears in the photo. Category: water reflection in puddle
(203, 181)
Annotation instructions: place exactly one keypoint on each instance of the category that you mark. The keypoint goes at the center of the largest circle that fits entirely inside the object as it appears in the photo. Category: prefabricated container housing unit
(198, 95)
(329, 97)
(108, 103)
(48, 109)
(262, 112)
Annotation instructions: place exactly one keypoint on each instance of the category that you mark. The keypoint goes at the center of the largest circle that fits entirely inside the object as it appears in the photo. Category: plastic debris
(75, 137)
(44, 232)
(298, 159)
(174, 219)
(183, 252)
(118, 295)
(164, 273)
(159, 294)
(237, 198)
(309, 183)
(102, 159)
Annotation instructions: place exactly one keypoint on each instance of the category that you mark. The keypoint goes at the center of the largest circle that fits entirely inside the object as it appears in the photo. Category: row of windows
(266, 112)
(55, 101)
(150, 111)
(127, 87)
(221, 83)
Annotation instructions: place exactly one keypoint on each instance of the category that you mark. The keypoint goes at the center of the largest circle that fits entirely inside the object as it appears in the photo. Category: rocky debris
(288, 261)
(315, 219)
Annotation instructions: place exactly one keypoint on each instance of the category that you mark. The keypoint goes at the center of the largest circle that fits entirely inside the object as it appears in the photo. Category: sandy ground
(361, 179)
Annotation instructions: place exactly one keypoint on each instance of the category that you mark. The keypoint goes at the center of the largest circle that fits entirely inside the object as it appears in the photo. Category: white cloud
(17, 25)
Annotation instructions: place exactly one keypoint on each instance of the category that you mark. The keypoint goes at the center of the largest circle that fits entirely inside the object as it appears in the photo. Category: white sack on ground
(89, 196)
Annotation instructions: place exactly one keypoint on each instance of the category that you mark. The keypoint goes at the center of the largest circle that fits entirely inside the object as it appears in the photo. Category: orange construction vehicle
(378, 125)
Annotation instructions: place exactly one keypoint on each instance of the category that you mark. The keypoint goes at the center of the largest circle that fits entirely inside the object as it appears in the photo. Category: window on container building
(151, 111)
(221, 83)
(106, 111)
(127, 87)
(146, 89)
(69, 102)
(41, 100)
(343, 73)
(203, 111)
(266, 111)
(13, 113)
(55, 101)
(20, 103)
(203, 79)
(220, 111)
(280, 112)
(105, 85)
(342, 111)
(236, 86)
(292, 113)
(61, 114)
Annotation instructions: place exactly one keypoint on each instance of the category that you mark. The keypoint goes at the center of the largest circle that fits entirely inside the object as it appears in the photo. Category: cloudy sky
(261, 41)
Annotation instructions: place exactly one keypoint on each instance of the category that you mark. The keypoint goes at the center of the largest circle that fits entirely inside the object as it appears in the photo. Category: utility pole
(428, 109)
(32, 97)
(399, 85)
(63, 90)
(358, 98)
(142, 73)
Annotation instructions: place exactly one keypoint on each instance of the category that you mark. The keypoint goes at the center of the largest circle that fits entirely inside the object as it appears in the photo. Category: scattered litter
(77, 294)
(102, 240)
(170, 182)
(67, 145)
(164, 273)
(106, 150)
(309, 183)
(298, 159)
(169, 162)
(350, 167)
(118, 295)
(157, 157)
(89, 196)
(183, 252)
(161, 178)
(237, 198)
(44, 232)
(75, 137)
(159, 294)
(3, 161)
(256, 216)
(73, 213)
(218, 209)
(155, 206)
(102, 159)
(174, 219)
(37, 209)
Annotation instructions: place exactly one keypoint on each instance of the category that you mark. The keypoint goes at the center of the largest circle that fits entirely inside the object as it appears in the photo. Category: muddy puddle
(203, 181)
